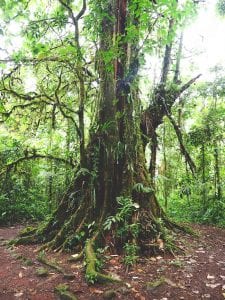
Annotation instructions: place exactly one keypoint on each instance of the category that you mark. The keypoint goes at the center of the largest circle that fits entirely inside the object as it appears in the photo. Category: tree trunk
(203, 176)
(218, 190)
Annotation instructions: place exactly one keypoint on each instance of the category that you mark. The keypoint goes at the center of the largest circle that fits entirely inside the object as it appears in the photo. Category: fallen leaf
(200, 249)
(206, 296)
(223, 295)
(95, 291)
(160, 243)
(113, 261)
(173, 284)
(191, 261)
(213, 285)
(140, 270)
(115, 276)
(18, 294)
(20, 274)
(223, 277)
(76, 266)
(223, 287)
(152, 258)
(210, 277)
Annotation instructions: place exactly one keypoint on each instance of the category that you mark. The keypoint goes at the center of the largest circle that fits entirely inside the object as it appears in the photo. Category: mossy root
(92, 275)
(62, 290)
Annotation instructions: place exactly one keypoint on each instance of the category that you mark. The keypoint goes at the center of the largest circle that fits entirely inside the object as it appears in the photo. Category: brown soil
(199, 274)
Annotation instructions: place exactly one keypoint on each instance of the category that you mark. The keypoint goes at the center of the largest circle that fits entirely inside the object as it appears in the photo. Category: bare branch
(187, 85)
(183, 149)
(83, 9)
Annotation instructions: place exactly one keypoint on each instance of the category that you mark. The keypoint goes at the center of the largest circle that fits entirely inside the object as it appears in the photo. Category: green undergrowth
(19, 209)
(192, 210)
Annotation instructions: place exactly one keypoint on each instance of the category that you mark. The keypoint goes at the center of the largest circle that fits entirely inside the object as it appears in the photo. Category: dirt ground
(199, 274)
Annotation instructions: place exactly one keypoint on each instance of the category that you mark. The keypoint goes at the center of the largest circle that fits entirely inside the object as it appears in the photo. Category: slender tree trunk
(167, 56)
(153, 151)
(165, 185)
(218, 190)
(203, 176)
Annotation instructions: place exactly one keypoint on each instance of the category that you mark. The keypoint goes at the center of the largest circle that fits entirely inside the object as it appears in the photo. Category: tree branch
(34, 60)
(186, 85)
(21, 106)
(183, 149)
(82, 11)
(9, 166)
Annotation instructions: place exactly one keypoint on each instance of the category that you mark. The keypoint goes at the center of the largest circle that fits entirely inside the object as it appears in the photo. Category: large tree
(111, 199)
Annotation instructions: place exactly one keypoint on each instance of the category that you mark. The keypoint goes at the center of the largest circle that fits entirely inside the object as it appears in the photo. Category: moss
(23, 240)
(27, 231)
(110, 294)
(156, 283)
(177, 263)
(42, 272)
(26, 261)
(42, 258)
(63, 292)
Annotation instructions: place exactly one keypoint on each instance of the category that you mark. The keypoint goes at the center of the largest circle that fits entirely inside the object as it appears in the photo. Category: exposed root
(63, 292)
(92, 275)
(76, 257)
(45, 247)
(24, 240)
(42, 258)
(28, 231)
(183, 228)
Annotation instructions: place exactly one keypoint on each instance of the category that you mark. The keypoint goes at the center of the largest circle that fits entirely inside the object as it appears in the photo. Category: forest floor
(199, 274)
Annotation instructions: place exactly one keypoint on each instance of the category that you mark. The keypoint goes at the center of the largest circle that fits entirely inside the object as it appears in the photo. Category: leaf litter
(199, 274)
